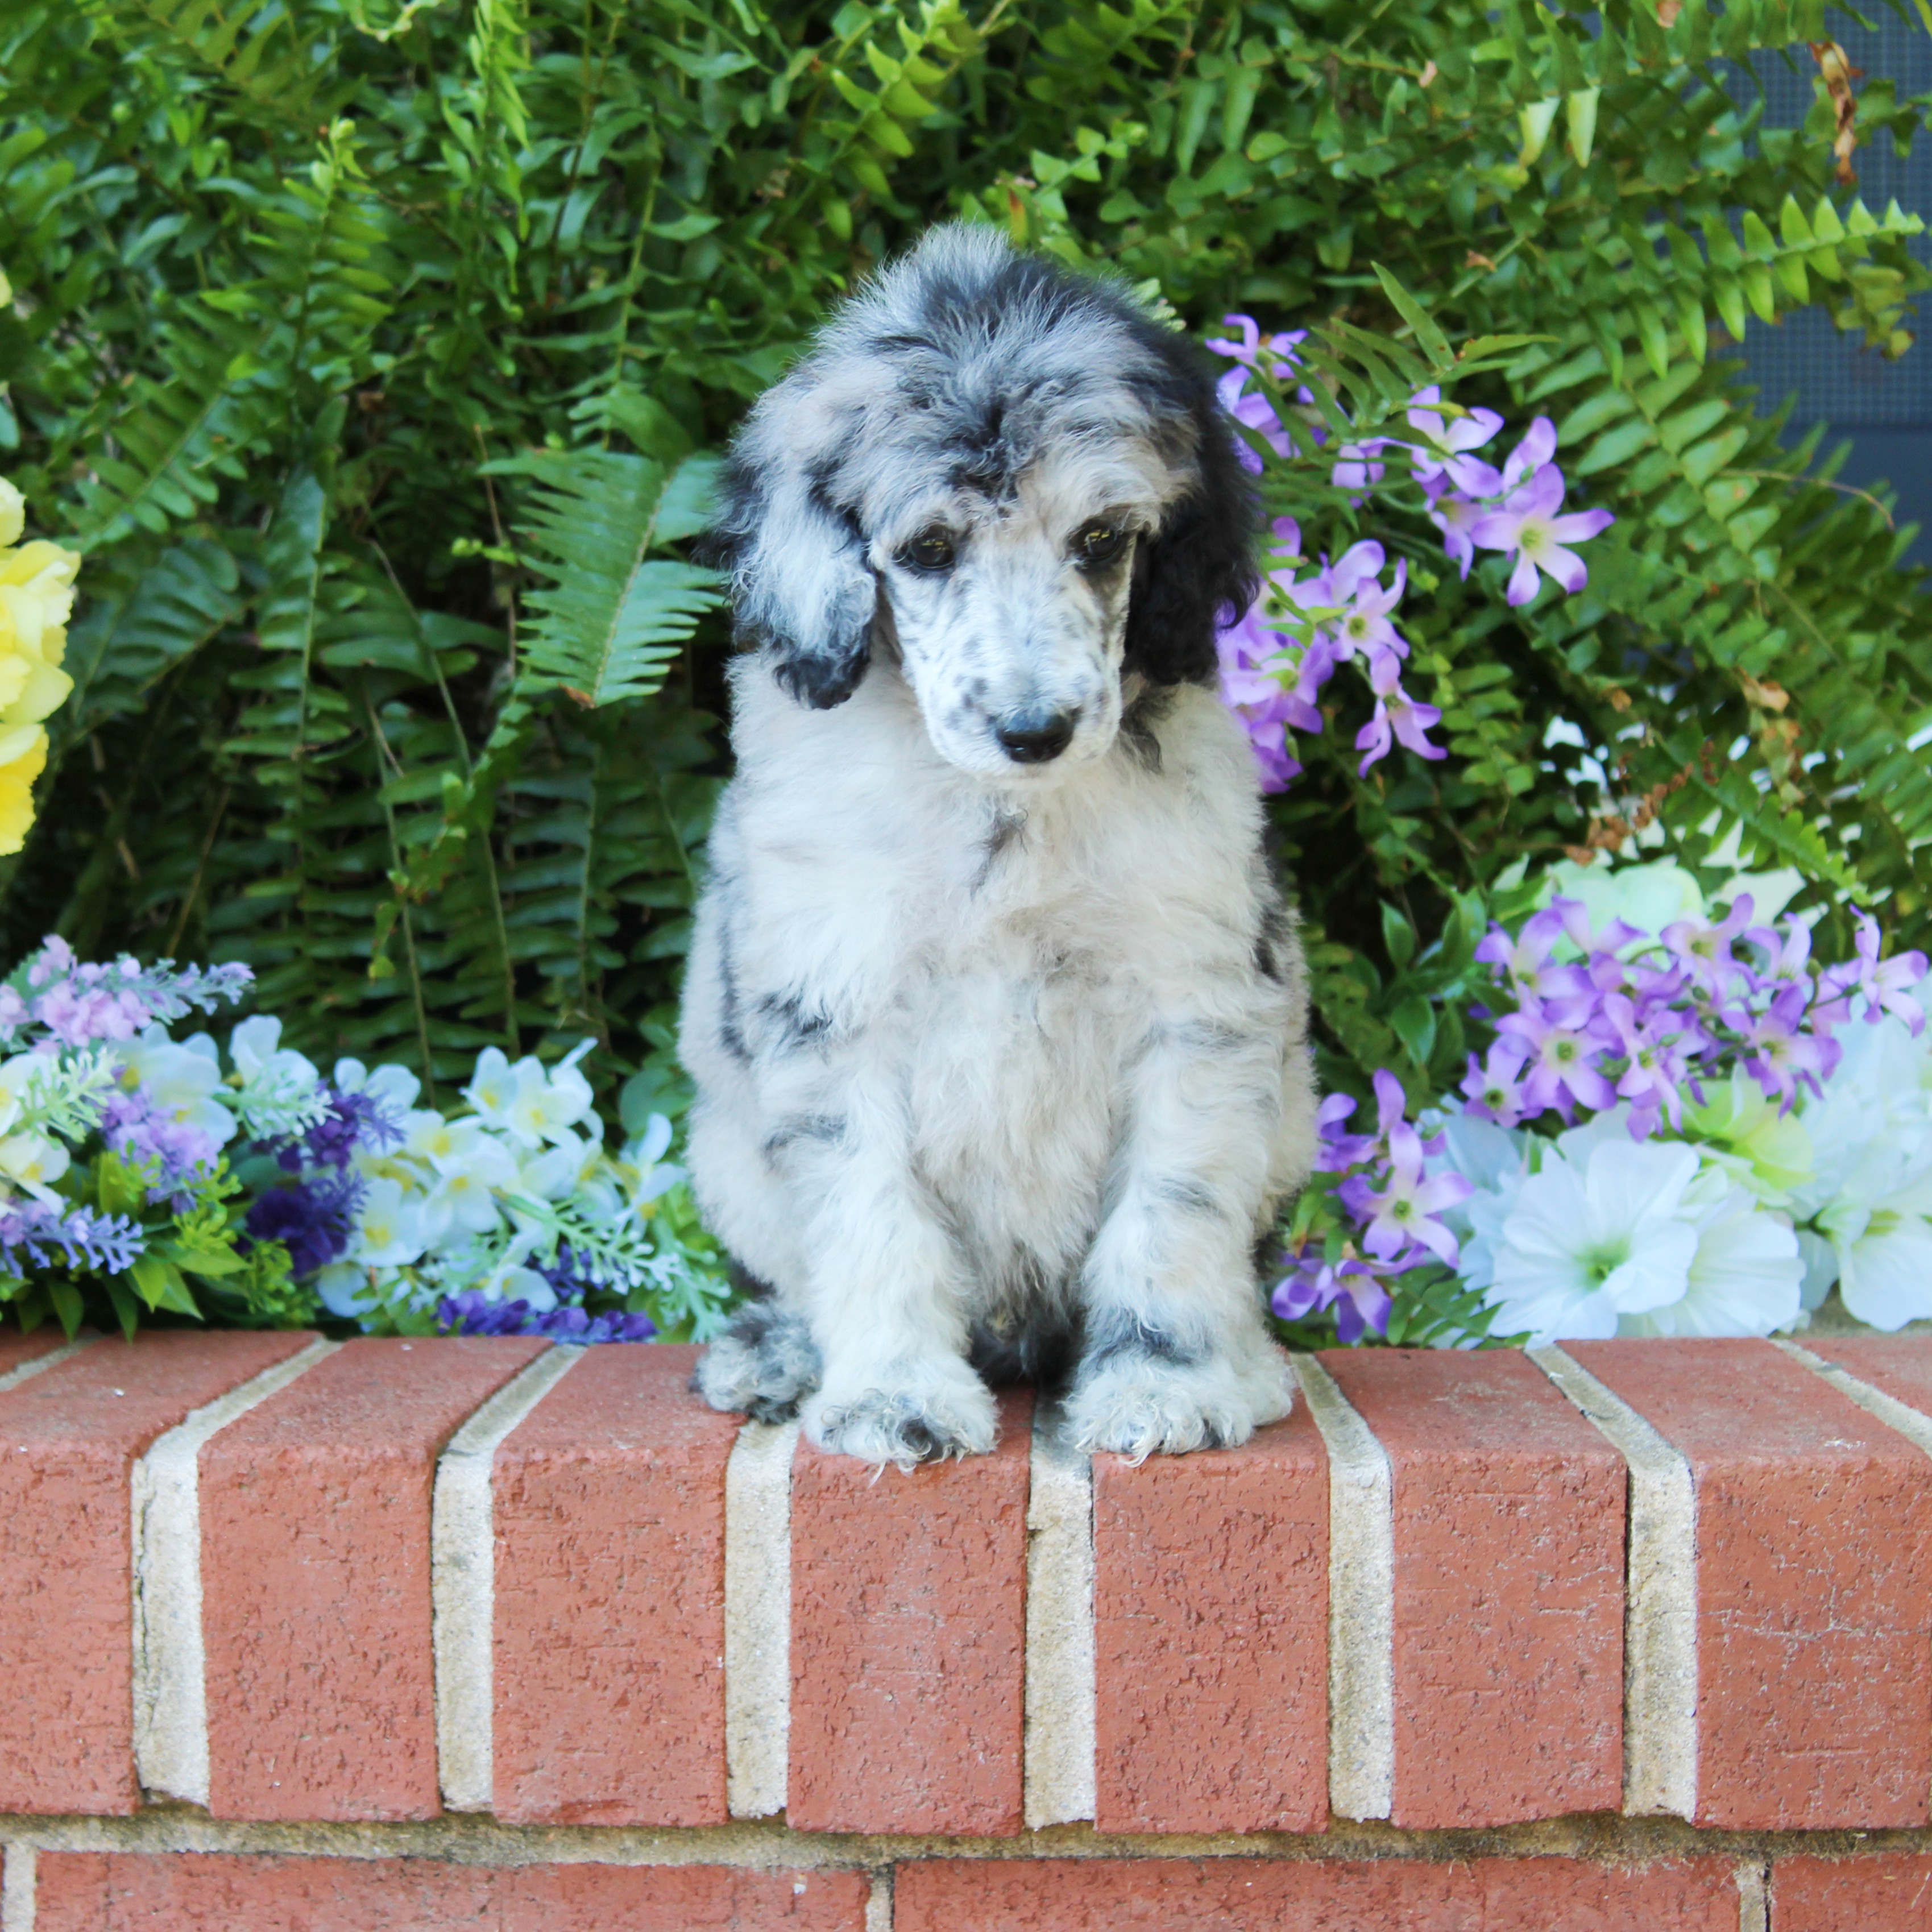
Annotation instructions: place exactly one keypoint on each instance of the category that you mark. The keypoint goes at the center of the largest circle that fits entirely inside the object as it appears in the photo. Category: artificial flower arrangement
(160, 1175)
(1687, 1130)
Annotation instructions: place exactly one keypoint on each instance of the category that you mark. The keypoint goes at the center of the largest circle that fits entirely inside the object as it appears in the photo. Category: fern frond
(613, 617)
(178, 434)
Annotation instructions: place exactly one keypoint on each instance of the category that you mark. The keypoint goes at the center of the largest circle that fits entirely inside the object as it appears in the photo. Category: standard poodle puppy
(996, 1015)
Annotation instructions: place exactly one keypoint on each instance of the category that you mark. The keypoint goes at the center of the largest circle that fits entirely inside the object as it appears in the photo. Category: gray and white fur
(996, 1015)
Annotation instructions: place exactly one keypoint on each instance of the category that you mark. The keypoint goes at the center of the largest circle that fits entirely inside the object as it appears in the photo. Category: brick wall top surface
(1899, 1366)
(114, 1397)
(17, 1348)
(394, 1398)
(1729, 1401)
(1410, 1602)
(1443, 1403)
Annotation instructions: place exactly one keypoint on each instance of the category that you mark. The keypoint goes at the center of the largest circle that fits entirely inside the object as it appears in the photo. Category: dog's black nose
(1036, 737)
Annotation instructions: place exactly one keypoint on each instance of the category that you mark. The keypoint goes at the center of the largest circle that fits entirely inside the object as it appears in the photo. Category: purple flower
(1352, 1288)
(1455, 517)
(1780, 1056)
(1493, 1086)
(1397, 714)
(1527, 526)
(1561, 1063)
(1358, 468)
(179, 1150)
(1402, 1215)
(31, 1231)
(355, 1122)
(472, 1313)
(1882, 983)
(313, 1219)
(1526, 961)
(1339, 1151)
(1363, 627)
(1704, 950)
(1538, 446)
(1449, 442)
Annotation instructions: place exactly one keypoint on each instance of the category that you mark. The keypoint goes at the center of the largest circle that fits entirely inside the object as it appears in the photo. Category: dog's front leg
(887, 1304)
(1175, 1355)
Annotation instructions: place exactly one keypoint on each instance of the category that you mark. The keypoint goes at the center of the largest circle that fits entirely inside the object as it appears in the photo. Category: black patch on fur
(828, 1128)
(1007, 826)
(796, 1024)
(1113, 1333)
(1137, 722)
(1271, 944)
(1190, 1194)
(731, 1033)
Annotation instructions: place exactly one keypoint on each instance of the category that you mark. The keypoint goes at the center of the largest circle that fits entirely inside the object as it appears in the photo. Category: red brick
(609, 1501)
(1856, 1894)
(69, 1439)
(17, 1350)
(908, 1637)
(1509, 1512)
(1211, 1633)
(1899, 1366)
(1241, 1894)
(315, 1558)
(192, 1891)
(1814, 1563)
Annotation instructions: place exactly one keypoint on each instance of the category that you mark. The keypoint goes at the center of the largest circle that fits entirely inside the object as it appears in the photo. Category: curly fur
(1000, 1055)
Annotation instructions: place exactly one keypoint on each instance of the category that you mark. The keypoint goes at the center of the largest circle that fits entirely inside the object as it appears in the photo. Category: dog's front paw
(762, 1365)
(1136, 1407)
(921, 1418)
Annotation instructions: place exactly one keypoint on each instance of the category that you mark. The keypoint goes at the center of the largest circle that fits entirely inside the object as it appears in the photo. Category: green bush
(372, 354)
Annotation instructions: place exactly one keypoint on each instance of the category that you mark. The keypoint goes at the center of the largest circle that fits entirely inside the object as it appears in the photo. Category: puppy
(997, 1018)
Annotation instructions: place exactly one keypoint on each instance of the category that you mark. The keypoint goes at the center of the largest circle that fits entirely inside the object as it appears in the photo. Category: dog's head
(1010, 476)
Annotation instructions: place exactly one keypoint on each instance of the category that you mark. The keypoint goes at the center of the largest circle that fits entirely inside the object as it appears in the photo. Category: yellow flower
(36, 600)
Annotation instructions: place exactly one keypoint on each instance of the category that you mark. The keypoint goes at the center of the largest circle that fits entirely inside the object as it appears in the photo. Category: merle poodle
(996, 1015)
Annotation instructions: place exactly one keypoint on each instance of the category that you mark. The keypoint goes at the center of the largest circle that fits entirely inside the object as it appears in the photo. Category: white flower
(1871, 1193)
(525, 1101)
(34, 1162)
(281, 1090)
(554, 1174)
(1492, 1159)
(1594, 1235)
(396, 1087)
(388, 1233)
(1745, 1276)
(1880, 1231)
(469, 1169)
(348, 1291)
(182, 1081)
(511, 1283)
(1763, 1148)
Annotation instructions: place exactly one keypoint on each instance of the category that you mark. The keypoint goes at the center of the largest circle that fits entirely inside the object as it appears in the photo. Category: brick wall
(306, 1637)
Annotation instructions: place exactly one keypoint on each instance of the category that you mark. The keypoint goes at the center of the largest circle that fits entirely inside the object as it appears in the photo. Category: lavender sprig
(31, 1231)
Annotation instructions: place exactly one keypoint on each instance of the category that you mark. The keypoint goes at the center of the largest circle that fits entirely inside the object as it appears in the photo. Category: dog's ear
(1198, 569)
(802, 591)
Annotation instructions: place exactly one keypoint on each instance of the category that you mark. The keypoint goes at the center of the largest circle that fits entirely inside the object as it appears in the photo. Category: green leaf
(612, 618)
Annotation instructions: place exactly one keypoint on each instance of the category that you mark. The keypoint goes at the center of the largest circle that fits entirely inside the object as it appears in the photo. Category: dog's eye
(931, 549)
(1099, 543)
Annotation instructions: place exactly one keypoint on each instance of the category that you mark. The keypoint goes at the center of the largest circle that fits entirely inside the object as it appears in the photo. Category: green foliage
(371, 347)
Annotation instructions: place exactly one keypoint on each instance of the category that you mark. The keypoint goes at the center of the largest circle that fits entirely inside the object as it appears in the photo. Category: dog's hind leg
(763, 1363)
